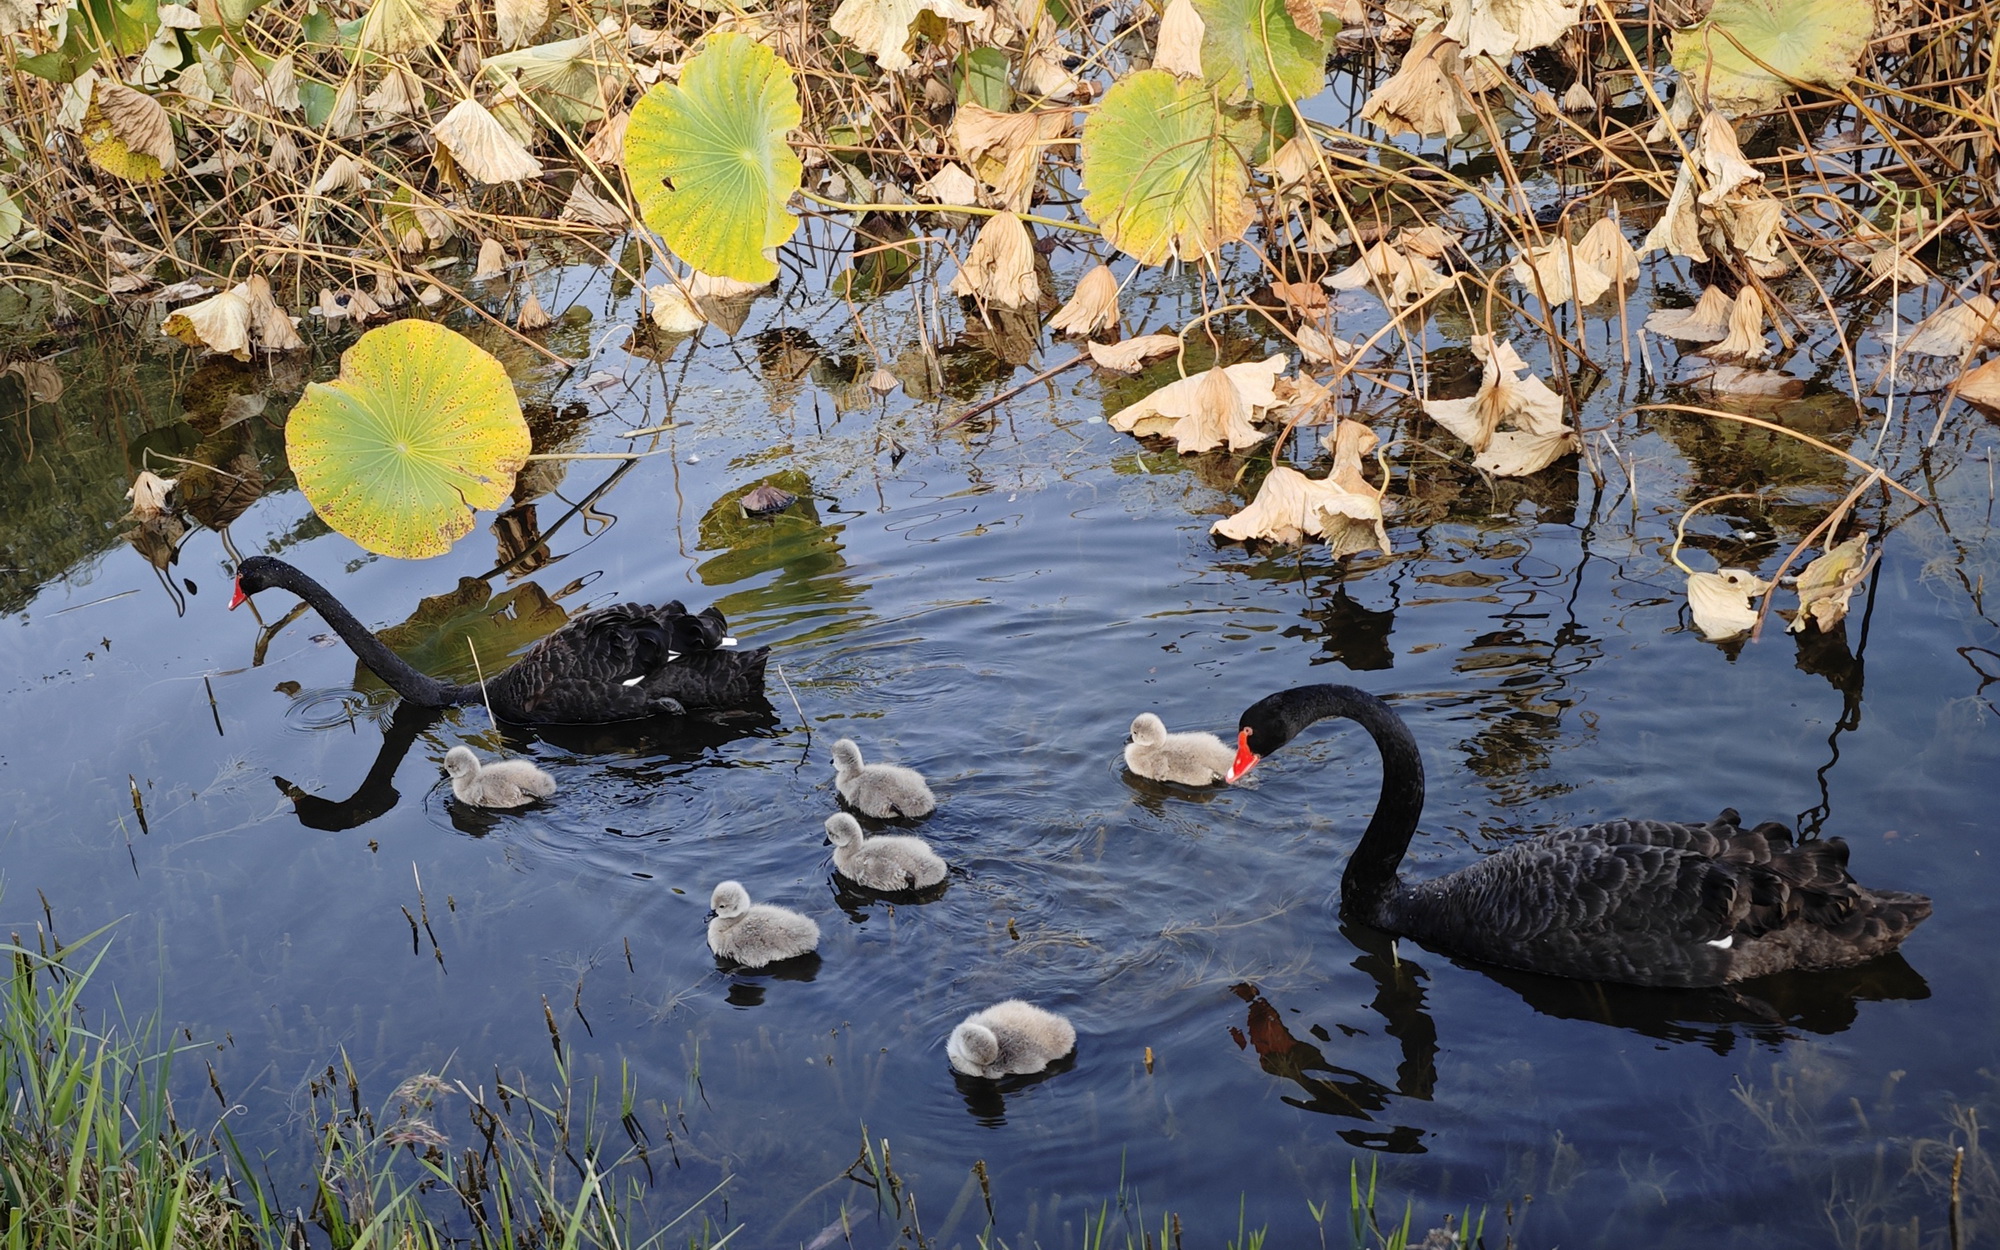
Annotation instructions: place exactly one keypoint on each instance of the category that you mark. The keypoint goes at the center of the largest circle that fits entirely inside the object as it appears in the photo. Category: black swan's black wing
(628, 662)
(1660, 903)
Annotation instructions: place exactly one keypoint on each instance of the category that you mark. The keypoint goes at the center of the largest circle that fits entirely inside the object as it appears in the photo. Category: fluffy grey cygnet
(503, 783)
(1009, 1039)
(883, 862)
(884, 791)
(1193, 759)
(755, 934)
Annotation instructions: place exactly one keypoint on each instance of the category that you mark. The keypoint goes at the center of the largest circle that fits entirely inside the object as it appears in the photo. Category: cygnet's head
(1147, 730)
(846, 756)
(843, 830)
(461, 762)
(729, 901)
(974, 1045)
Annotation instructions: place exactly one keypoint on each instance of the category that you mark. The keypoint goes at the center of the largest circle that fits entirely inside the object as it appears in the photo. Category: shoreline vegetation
(98, 1151)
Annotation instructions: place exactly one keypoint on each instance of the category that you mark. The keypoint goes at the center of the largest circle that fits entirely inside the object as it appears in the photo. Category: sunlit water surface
(993, 606)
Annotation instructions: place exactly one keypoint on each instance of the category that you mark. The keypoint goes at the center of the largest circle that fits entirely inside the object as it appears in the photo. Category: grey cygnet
(1009, 1039)
(885, 862)
(503, 783)
(884, 791)
(755, 934)
(1193, 759)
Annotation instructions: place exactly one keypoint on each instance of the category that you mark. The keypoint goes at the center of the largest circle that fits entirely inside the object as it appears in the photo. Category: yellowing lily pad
(709, 162)
(1812, 41)
(1167, 168)
(421, 427)
(1257, 42)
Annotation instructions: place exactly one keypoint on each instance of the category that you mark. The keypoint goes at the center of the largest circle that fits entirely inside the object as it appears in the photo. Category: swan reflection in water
(664, 742)
(1768, 1012)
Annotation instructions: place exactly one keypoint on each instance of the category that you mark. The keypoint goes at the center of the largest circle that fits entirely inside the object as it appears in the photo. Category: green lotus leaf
(420, 428)
(1812, 41)
(1165, 167)
(708, 158)
(1233, 39)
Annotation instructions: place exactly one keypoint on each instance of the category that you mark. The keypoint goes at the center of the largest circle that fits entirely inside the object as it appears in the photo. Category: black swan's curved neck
(418, 688)
(1371, 870)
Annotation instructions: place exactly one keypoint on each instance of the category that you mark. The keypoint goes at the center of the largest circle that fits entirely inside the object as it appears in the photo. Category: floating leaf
(1256, 44)
(1128, 355)
(1340, 507)
(1200, 415)
(999, 268)
(1813, 41)
(1536, 436)
(1500, 28)
(709, 162)
(882, 27)
(1720, 602)
(1093, 307)
(420, 426)
(1957, 328)
(1826, 585)
(1706, 322)
(1166, 168)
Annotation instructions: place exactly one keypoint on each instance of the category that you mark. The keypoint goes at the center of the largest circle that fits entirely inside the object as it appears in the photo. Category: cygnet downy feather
(884, 862)
(755, 934)
(503, 783)
(1009, 1039)
(1193, 759)
(884, 791)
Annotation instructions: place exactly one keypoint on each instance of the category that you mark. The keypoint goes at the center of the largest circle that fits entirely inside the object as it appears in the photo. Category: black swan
(1642, 902)
(618, 663)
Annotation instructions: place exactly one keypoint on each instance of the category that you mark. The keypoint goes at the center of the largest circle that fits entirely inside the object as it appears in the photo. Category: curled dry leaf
(1500, 28)
(882, 27)
(1981, 386)
(1745, 340)
(1005, 149)
(1578, 99)
(482, 146)
(353, 305)
(1679, 227)
(492, 260)
(401, 94)
(1295, 161)
(607, 146)
(137, 121)
(882, 381)
(431, 296)
(1721, 159)
(1503, 397)
(1555, 274)
(1322, 348)
(1093, 306)
(1826, 585)
(404, 25)
(1200, 420)
(1957, 329)
(673, 310)
(281, 85)
(148, 494)
(1706, 322)
(999, 268)
(342, 173)
(1341, 507)
(1129, 355)
(586, 206)
(284, 154)
(1400, 278)
(220, 323)
(950, 185)
(1751, 224)
(271, 328)
(1421, 97)
(532, 316)
(39, 380)
(1179, 47)
(1603, 247)
(1720, 602)
(517, 22)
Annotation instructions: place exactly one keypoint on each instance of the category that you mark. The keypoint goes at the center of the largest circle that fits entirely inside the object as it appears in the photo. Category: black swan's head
(255, 574)
(1266, 725)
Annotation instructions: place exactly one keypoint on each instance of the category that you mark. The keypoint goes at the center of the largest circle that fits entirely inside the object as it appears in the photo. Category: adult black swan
(1643, 902)
(618, 663)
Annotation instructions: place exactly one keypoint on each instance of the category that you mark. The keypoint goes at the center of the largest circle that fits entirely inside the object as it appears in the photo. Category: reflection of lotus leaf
(708, 159)
(420, 426)
(1814, 41)
(759, 544)
(433, 640)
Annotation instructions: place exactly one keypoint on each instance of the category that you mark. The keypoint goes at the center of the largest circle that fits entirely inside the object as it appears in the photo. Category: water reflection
(986, 1100)
(377, 792)
(746, 988)
(1349, 632)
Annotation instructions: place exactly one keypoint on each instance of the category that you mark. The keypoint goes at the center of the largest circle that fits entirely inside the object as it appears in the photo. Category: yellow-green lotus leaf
(1234, 40)
(1166, 169)
(421, 427)
(709, 162)
(1811, 41)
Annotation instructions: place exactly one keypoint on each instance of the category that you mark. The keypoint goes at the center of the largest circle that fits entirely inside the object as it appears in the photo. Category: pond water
(992, 602)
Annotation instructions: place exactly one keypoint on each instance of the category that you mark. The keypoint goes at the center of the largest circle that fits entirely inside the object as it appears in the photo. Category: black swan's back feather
(1643, 902)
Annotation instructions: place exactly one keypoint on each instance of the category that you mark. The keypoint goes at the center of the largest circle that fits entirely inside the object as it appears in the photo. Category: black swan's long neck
(1371, 870)
(419, 688)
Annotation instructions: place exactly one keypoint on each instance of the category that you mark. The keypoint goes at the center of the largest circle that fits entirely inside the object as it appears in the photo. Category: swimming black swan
(618, 663)
(1643, 902)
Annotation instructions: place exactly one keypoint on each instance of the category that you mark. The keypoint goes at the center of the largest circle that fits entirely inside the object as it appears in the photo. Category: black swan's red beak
(237, 599)
(1246, 759)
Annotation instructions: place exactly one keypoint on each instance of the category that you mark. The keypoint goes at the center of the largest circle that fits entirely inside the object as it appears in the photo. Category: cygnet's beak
(237, 599)
(712, 914)
(1246, 759)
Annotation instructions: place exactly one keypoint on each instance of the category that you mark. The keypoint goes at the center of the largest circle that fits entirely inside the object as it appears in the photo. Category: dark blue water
(993, 607)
